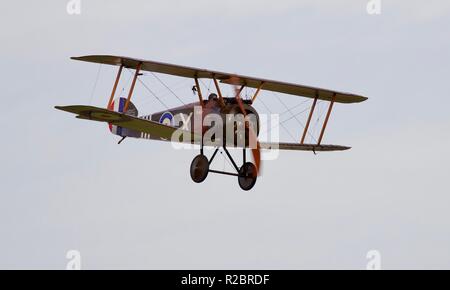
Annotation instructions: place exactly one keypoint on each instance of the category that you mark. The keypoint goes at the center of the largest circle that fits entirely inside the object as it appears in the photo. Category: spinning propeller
(253, 137)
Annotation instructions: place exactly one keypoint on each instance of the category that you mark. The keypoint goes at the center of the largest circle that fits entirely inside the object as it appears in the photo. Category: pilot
(213, 103)
(212, 97)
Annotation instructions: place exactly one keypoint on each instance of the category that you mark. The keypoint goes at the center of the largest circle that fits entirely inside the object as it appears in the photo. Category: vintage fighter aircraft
(123, 119)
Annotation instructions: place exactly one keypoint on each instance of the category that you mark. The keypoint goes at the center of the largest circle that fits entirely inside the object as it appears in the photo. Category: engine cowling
(240, 135)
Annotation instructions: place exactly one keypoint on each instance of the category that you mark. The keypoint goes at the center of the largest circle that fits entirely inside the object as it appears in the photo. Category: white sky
(66, 184)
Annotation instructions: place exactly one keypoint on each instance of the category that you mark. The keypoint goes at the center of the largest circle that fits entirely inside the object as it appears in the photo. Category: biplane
(124, 120)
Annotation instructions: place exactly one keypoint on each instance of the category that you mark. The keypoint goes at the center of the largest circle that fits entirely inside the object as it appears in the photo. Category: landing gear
(247, 176)
(199, 168)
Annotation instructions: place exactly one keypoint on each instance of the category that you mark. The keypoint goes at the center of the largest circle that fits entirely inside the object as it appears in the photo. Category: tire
(199, 168)
(247, 176)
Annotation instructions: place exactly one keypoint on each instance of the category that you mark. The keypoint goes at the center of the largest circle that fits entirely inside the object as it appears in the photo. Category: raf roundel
(166, 119)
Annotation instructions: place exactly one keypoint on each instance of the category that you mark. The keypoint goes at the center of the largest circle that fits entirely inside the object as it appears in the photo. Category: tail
(118, 105)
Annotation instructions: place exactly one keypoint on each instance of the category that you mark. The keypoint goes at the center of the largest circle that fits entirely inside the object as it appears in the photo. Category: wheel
(199, 168)
(247, 176)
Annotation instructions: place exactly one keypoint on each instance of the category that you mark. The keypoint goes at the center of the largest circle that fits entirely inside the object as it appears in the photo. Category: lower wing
(166, 132)
(126, 121)
(303, 147)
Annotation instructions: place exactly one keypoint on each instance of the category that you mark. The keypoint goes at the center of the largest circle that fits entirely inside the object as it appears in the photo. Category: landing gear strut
(246, 174)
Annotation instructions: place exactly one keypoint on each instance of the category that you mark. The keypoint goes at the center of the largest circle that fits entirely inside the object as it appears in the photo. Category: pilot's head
(212, 97)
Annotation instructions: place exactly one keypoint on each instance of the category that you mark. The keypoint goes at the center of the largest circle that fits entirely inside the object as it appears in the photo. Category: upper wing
(119, 119)
(227, 78)
(303, 147)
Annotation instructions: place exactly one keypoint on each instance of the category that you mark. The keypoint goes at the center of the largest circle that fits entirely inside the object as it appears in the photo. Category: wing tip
(68, 109)
(78, 57)
(61, 108)
(304, 147)
(362, 99)
(330, 148)
(101, 58)
(352, 99)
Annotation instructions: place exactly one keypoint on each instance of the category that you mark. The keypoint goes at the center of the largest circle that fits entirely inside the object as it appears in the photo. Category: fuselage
(184, 117)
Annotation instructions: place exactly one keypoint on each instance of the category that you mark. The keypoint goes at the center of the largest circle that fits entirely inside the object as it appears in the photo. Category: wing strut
(241, 89)
(132, 87)
(309, 119)
(115, 87)
(330, 108)
(219, 92)
(199, 92)
(257, 92)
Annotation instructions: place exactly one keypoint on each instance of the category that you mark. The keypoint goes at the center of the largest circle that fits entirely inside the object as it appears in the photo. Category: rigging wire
(163, 95)
(295, 107)
(321, 113)
(149, 90)
(207, 87)
(127, 82)
(298, 114)
(295, 117)
(95, 84)
(282, 125)
(287, 120)
(175, 87)
(167, 87)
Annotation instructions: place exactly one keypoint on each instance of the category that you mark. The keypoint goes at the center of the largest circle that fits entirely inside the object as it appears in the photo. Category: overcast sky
(66, 184)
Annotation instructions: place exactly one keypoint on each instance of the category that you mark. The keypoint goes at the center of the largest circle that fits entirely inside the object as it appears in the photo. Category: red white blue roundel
(166, 119)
